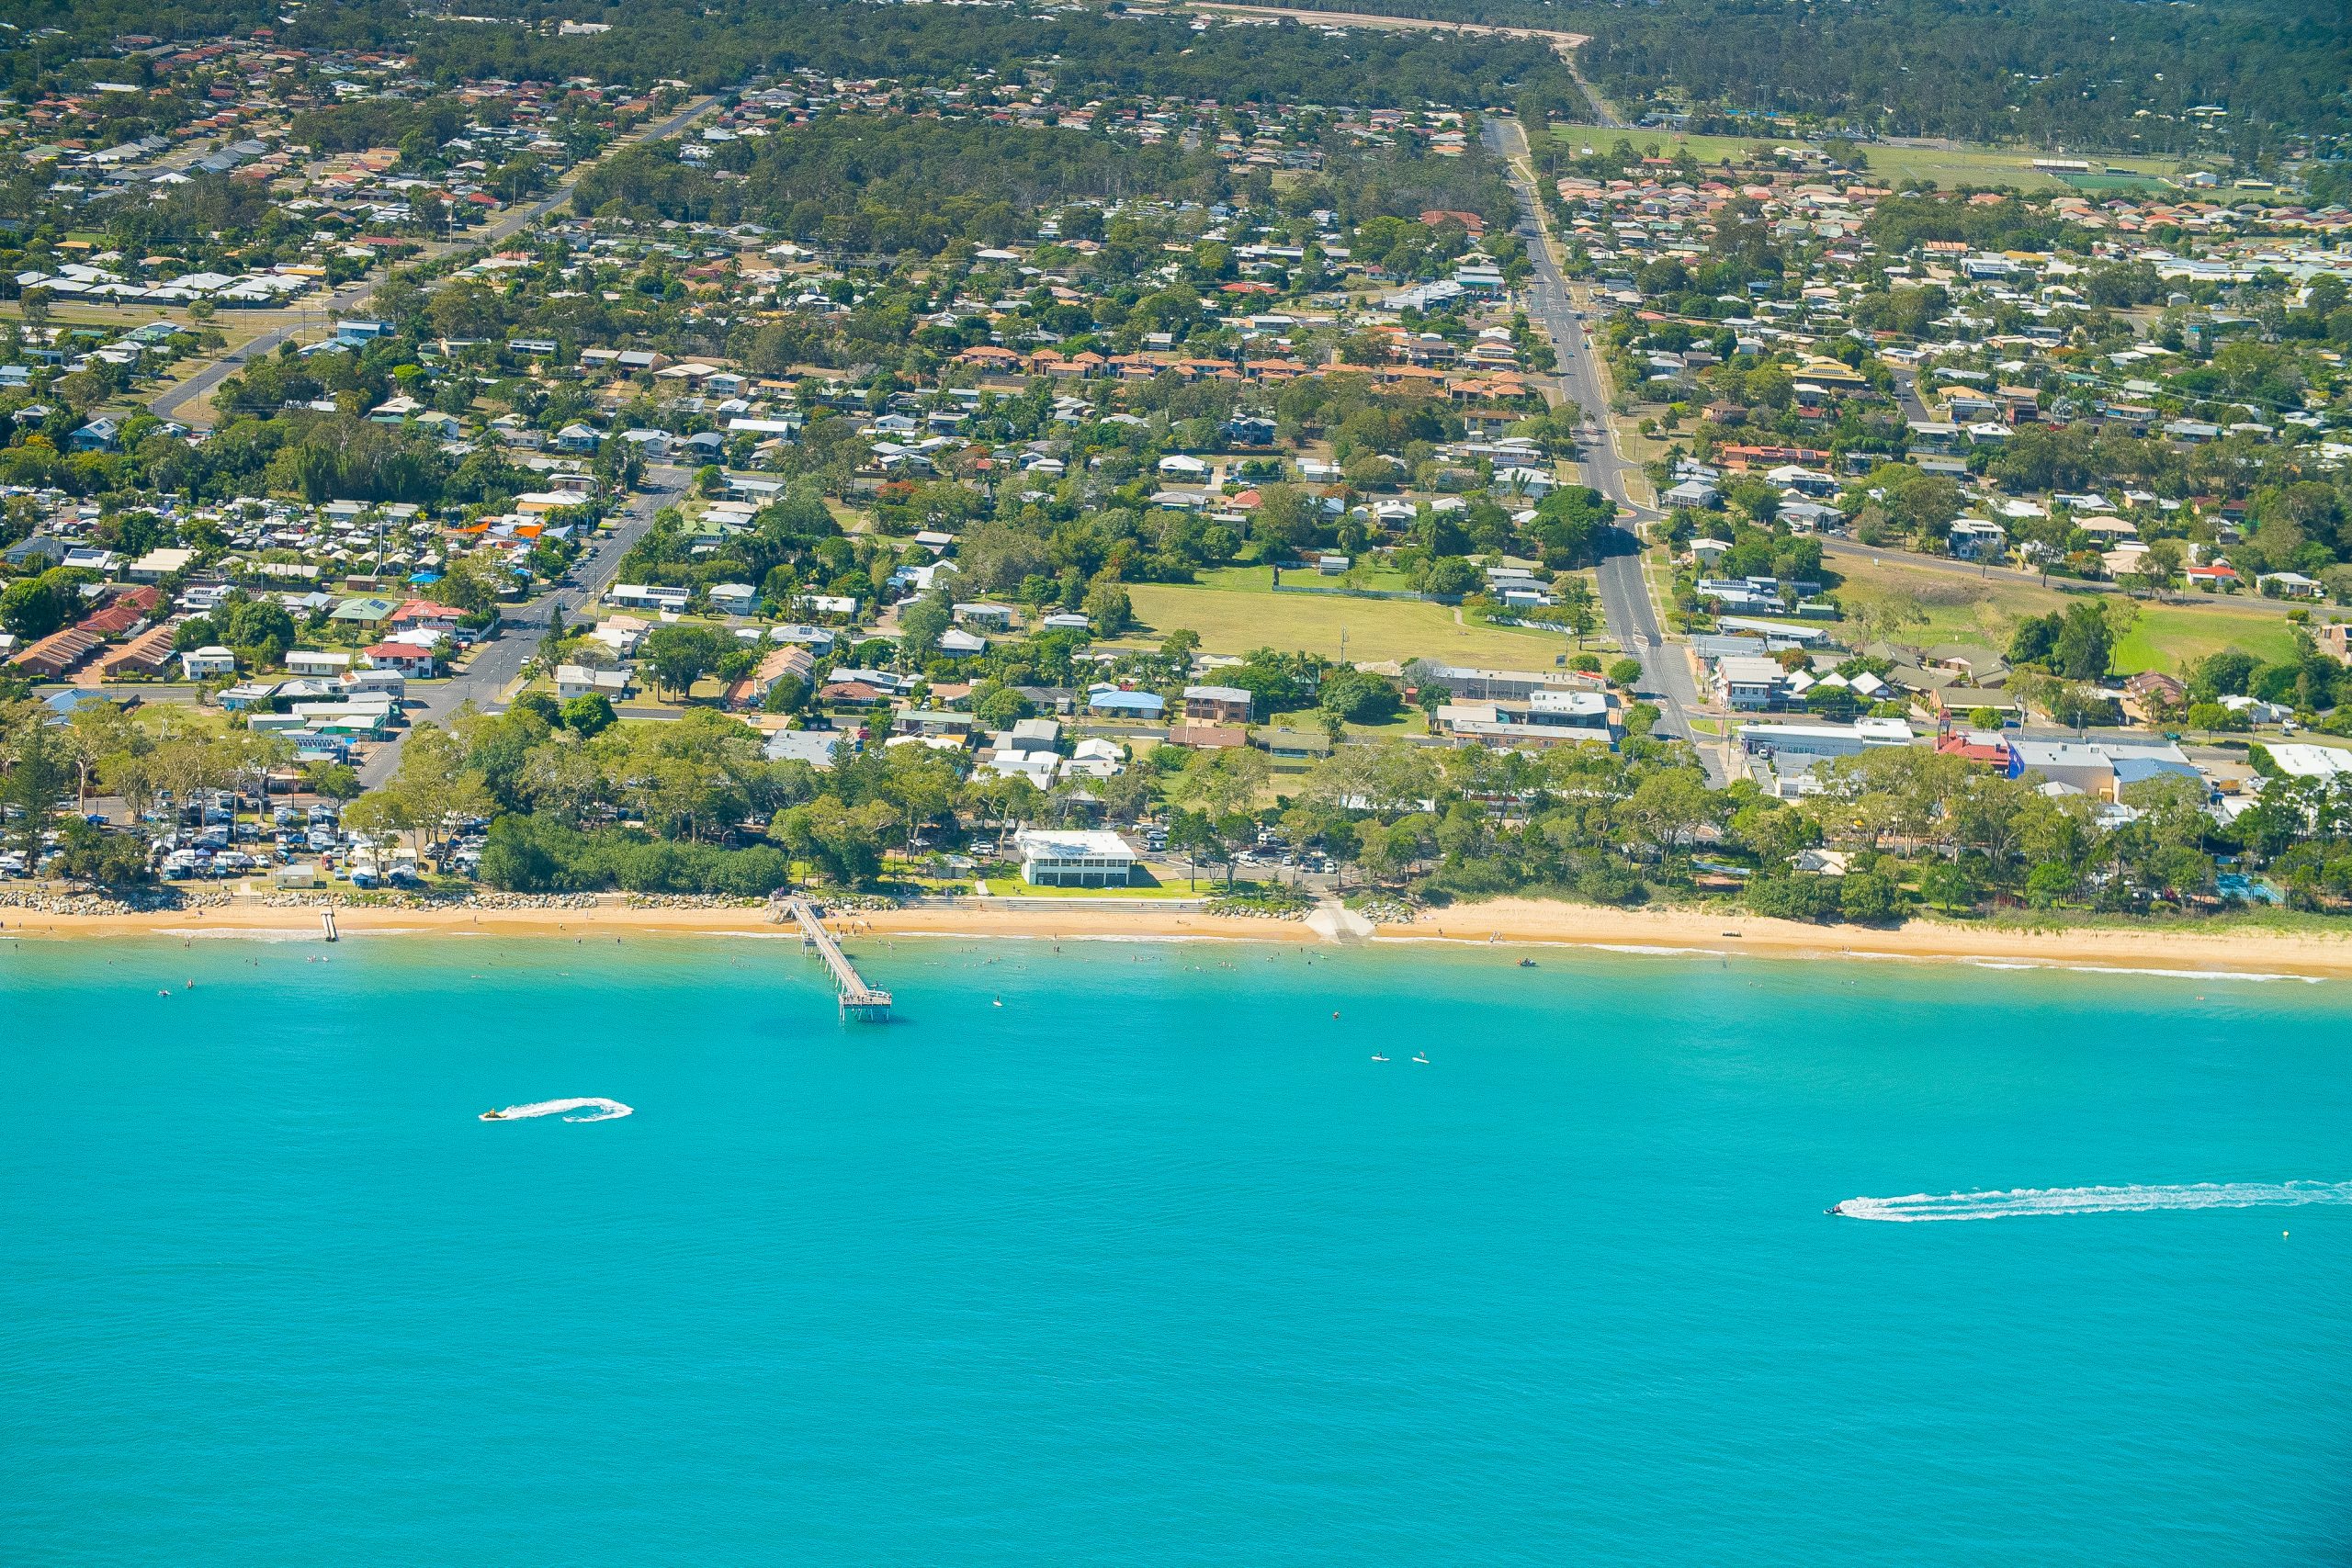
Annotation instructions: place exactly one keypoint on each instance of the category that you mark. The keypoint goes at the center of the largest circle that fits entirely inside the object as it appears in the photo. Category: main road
(1667, 674)
(357, 296)
(497, 663)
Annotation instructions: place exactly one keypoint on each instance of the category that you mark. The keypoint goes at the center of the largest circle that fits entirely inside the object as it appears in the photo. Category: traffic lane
(1625, 593)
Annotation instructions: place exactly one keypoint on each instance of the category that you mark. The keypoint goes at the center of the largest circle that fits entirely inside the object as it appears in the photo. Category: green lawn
(1412, 721)
(1248, 614)
(1013, 887)
(2166, 637)
(1948, 167)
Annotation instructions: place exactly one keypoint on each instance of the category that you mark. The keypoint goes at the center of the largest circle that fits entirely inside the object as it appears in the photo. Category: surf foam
(607, 1110)
(1917, 1207)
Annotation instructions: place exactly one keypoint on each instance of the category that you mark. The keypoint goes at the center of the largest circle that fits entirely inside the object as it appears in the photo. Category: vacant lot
(1958, 609)
(2165, 637)
(1986, 610)
(1241, 613)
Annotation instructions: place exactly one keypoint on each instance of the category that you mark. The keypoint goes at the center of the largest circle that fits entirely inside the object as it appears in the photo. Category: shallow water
(1153, 1264)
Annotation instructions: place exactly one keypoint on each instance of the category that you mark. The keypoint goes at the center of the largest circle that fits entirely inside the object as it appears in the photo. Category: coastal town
(1160, 782)
(555, 485)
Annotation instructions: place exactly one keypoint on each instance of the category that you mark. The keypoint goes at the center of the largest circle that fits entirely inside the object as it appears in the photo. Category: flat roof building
(1083, 857)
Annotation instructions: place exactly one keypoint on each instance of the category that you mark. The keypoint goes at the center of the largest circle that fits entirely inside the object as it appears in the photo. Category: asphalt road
(1668, 677)
(356, 295)
(1906, 394)
(498, 662)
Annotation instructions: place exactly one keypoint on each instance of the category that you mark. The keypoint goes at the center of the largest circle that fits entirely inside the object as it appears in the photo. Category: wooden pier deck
(858, 999)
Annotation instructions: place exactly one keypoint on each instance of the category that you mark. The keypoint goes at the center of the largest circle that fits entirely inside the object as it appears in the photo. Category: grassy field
(2162, 637)
(1948, 167)
(1238, 611)
(1953, 167)
(2166, 637)
(1706, 149)
(1958, 609)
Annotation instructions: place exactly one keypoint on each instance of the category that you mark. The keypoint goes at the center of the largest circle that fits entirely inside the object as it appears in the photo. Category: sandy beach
(1501, 921)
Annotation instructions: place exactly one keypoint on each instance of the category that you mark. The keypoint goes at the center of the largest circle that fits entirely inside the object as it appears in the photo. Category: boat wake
(1922, 1207)
(606, 1110)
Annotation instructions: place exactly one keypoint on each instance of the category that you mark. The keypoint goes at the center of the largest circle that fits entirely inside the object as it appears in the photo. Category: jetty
(858, 999)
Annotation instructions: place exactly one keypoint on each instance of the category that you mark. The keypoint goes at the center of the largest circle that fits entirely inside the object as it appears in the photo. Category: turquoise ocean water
(1152, 1264)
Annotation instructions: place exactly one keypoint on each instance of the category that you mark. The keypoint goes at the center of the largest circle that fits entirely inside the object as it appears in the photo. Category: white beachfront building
(1083, 857)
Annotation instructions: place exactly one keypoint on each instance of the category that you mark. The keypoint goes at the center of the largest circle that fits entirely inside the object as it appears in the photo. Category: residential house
(415, 660)
(1218, 704)
(579, 681)
(734, 598)
(101, 434)
(779, 662)
(1112, 703)
(160, 563)
(366, 609)
(641, 596)
(207, 663)
(313, 662)
(1974, 538)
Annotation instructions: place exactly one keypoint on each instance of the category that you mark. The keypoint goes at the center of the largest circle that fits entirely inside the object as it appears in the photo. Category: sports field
(1950, 167)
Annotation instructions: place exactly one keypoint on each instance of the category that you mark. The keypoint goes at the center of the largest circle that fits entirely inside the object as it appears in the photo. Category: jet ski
(494, 1116)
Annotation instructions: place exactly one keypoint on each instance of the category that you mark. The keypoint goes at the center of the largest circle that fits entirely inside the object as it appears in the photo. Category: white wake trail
(607, 1110)
(1918, 1207)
